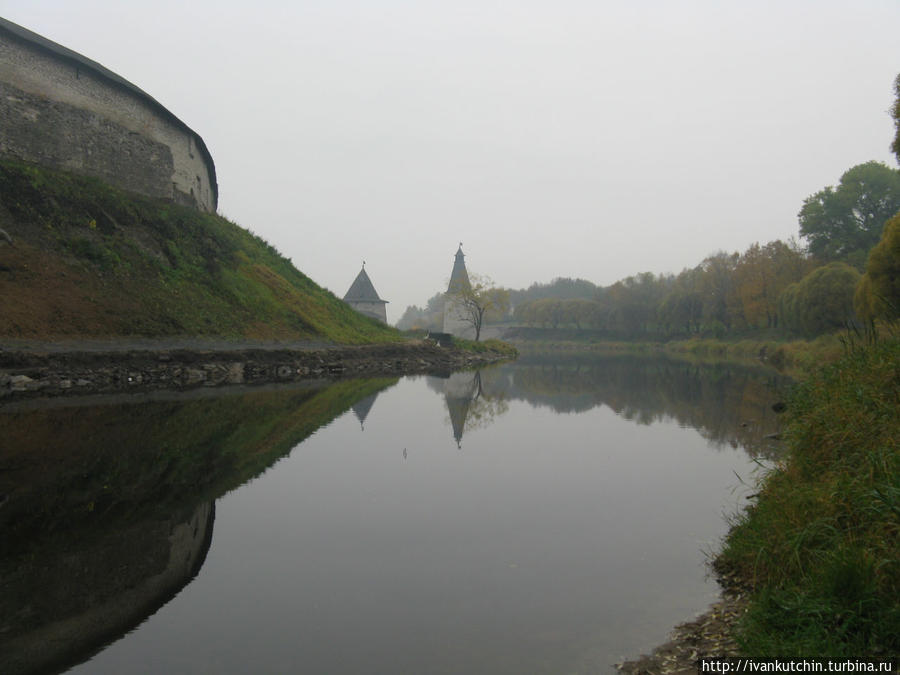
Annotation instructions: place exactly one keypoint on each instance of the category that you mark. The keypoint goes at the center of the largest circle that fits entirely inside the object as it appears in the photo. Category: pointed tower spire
(459, 277)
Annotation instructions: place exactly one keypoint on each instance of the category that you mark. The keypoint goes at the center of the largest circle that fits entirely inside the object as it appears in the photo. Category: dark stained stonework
(63, 110)
(83, 142)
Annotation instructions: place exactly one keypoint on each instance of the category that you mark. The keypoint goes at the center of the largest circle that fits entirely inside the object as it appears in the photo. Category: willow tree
(820, 302)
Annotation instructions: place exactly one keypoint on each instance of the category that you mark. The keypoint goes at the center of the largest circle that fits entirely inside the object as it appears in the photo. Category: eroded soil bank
(86, 368)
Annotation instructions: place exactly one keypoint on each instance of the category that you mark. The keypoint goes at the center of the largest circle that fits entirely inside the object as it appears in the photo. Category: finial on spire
(364, 264)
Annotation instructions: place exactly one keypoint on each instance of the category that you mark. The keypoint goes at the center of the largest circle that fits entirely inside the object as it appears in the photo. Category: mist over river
(551, 515)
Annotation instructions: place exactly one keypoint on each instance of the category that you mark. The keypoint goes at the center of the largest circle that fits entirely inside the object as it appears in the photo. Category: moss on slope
(90, 260)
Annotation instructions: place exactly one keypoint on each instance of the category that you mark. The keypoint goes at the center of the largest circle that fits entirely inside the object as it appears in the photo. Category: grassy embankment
(482, 346)
(821, 545)
(90, 260)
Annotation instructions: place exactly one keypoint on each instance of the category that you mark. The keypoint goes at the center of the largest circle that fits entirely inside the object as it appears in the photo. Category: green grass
(821, 547)
(145, 267)
(482, 346)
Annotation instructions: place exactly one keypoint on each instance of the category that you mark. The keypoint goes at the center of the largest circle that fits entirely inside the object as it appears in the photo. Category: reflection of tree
(484, 407)
(467, 403)
(729, 404)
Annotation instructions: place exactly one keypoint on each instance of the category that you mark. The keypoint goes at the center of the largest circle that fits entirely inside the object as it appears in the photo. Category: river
(552, 515)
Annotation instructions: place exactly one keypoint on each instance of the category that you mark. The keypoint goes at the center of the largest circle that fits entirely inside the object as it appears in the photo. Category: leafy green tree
(820, 302)
(562, 288)
(878, 293)
(844, 223)
(479, 299)
(578, 311)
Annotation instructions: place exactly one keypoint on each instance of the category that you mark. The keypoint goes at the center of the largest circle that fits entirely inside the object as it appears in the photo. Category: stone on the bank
(235, 373)
(194, 376)
(19, 382)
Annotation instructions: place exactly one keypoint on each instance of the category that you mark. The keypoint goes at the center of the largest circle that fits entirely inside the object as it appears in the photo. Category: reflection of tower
(460, 389)
(454, 317)
(362, 407)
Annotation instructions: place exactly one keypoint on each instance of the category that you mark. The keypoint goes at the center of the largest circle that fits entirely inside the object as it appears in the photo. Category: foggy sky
(579, 138)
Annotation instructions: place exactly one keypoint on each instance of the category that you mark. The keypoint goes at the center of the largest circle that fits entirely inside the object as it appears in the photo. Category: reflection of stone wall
(62, 602)
(59, 109)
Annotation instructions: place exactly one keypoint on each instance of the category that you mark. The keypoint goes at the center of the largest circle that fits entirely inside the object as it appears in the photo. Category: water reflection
(469, 405)
(62, 600)
(730, 404)
(108, 503)
(556, 543)
(362, 408)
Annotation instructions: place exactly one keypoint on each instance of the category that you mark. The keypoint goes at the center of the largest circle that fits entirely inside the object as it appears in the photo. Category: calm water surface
(549, 516)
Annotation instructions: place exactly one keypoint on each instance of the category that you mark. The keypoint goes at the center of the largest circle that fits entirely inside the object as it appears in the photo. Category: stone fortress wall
(60, 109)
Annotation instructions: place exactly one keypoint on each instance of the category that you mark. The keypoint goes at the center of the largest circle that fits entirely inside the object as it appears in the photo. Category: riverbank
(710, 635)
(820, 546)
(796, 357)
(812, 567)
(93, 367)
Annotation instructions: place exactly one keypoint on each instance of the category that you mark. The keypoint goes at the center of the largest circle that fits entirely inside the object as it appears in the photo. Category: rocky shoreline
(710, 635)
(26, 372)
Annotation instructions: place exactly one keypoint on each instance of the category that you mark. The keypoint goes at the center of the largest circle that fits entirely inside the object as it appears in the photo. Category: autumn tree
(821, 301)
(845, 222)
(682, 305)
(630, 305)
(478, 299)
(878, 293)
(761, 274)
(721, 305)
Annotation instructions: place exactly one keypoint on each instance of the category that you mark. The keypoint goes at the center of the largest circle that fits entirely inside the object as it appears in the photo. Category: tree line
(847, 269)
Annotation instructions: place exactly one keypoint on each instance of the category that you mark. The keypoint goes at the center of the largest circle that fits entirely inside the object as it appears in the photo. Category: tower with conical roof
(363, 297)
(455, 321)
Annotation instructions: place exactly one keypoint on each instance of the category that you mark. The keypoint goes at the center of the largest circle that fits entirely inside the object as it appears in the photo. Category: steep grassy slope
(89, 260)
